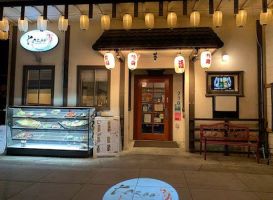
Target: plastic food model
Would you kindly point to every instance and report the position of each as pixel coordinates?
(70, 114)
(29, 123)
(74, 123)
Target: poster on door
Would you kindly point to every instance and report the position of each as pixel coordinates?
(177, 107)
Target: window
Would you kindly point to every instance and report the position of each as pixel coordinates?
(38, 85)
(93, 87)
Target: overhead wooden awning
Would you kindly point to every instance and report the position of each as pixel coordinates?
(143, 39)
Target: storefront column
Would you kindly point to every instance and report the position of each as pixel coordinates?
(191, 105)
(66, 66)
(126, 107)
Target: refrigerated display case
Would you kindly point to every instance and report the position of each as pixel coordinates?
(50, 131)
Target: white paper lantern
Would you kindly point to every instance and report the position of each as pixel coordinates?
(4, 24)
(127, 21)
(195, 18)
(105, 22)
(4, 35)
(217, 18)
(84, 22)
(41, 23)
(109, 61)
(62, 24)
(179, 64)
(150, 20)
(132, 60)
(22, 25)
(205, 59)
(241, 18)
(266, 17)
(172, 19)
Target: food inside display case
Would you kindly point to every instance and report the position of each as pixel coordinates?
(67, 130)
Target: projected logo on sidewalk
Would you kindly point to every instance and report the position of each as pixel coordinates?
(141, 189)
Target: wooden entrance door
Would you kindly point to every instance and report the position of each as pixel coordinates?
(153, 107)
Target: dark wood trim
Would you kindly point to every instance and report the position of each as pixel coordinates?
(1, 13)
(224, 119)
(66, 66)
(26, 68)
(114, 10)
(271, 107)
(211, 7)
(236, 6)
(121, 99)
(12, 66)
(191, 105)
(170, 108)
(160, 8)
(261, 65)
(130, 91)
(90, 11)
(93, 67)
(264, 6)
(135, 8)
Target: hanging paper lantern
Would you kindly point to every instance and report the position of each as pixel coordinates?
(172, 19)
(109, 61)
(127, 21)
(241, 18)
(266, 17)
(23, 25)
(62, 24)
(150, 20)
(205, 59)
(179, 64)
(4, 35)
(132, 60)
(84, 22)
(4, 24)
(41, 23)
(105, 22)
(217, 18)
(195, 18)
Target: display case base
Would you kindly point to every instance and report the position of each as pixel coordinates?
(49, 152)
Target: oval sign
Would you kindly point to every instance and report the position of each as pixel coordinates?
(39, 41)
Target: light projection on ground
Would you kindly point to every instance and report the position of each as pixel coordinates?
(141, 189)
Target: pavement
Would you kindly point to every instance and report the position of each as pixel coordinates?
(233, 177)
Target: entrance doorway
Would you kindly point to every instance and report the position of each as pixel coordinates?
(153, 107)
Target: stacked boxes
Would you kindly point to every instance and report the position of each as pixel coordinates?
(107, 136)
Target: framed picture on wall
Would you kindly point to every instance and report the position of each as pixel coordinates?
(225, 83)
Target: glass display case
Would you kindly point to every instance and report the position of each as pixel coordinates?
(51, 131)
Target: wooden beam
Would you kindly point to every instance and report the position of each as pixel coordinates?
(185, 7)
(218, 5)
(135, 8)
(77, 7)
(66, 65)
(59, 10)
(45, 12)
(1, 13)
(264, 6)
(236, 7)
(66, 11)
(211, 7)
(114, 10)
(243, 4)
(160, 8)
(12, 66)
(90, 11)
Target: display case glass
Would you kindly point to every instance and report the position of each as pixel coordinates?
(61, 131)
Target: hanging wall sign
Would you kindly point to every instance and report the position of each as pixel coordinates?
(39, 41)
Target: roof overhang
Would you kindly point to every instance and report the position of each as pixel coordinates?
(158, 39)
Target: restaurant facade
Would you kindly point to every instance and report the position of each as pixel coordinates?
(153, 101)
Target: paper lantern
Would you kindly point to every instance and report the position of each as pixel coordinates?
(132, 60)
(217, 18)
(205, 59)
(195, 19)
(105, 22)
(266, 17)
(41, 23)
(84, 22)
(179, 64)
(4, 35)
(22, 25)
(241, 18)
(127, 21)
(62, 24)
(172, 19)
(109, 61)
(150, 20)
(4, 24)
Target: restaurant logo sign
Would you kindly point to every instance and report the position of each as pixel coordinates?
(39, 41)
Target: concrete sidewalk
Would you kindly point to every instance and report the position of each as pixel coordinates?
(220, 177)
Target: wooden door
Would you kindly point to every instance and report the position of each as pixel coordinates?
(153, 108)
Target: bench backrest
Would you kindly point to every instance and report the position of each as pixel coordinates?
(228, 130)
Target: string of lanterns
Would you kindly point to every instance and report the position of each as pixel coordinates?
(179, 61)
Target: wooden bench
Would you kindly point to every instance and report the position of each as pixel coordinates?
(228, 134)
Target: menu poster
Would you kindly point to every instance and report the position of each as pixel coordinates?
(158, 107)
(177, 116)
(147, 118)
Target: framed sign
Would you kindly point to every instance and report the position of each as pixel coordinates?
(225, 83)
(39, 41)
